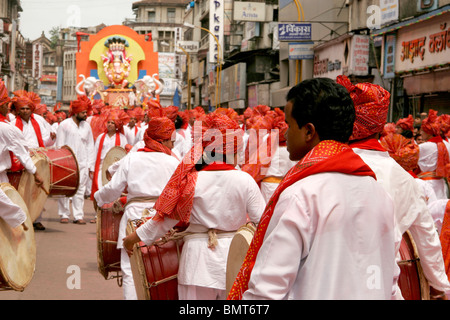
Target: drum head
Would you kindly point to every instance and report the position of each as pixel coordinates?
(237, 252)
(18, 247)
(113, 155)
(33, 196)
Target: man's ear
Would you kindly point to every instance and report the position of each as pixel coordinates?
(310, 132)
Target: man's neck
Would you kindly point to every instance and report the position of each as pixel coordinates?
(75, 119)
(111, 133)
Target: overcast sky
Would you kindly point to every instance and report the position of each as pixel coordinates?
(43, 15)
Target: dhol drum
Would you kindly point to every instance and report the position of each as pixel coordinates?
(412, 281)
(108, 256)
(18, 248)
(112, 156)
(23, 181)
(237, 252)
(155, 267)
(64, 171)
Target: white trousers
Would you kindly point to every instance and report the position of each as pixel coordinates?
(129, 290)
(77, 200)
(187, 292)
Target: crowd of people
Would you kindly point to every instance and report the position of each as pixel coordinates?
(331, 186)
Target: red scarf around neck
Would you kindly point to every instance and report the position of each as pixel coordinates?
(36, 127)
(99, 160)
(367, 144)
(327, 156)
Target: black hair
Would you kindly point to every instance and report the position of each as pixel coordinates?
(178, 122)
(327, 105)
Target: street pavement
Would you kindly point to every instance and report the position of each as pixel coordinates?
(66, 262)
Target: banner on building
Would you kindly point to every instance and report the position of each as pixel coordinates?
(38, 53)
(301, 50)
(216, 25)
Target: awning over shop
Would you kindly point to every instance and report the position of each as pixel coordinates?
(410, 22)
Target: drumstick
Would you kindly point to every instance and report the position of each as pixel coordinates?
(46, 192)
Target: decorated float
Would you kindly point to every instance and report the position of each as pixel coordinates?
(117, 64)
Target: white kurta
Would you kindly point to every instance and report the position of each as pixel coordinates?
(223, 200)
(108, 144)
(30, 135)
(81, 141)
(145, 174)
(130, 134)
(411, 213)
(331, 236)
(10, 212)
(279, 166)
(428, 156)
(11, 139)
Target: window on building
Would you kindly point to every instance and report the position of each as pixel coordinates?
(171, 15)
(151, 16)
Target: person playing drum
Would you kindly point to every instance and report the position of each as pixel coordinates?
(36, 130)
(13, 151)
(328, 229)
(76, 133)
(115, 120)
(144, 173)
(411, 211)
(208, 193)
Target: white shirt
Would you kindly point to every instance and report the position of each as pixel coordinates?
(145, 174)
(30, 135)
(79, 139)
(108, 144)
(223, 200)
(329, 236)
(428, 155)
(279, 166)
(10, 212)
(411, 213)
(131, 134)
(11, 139)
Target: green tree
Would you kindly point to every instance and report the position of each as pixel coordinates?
(54, 37)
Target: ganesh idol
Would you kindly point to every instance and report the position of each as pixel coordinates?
(116, 63)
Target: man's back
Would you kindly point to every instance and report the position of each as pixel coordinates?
(333, 237)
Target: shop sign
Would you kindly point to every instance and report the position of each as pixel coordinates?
(294, 31)
(426, 45)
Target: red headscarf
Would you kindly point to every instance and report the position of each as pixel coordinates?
(171, 112)
(23, 98)
(159, 130)
(371, 105)
(81, 104)
(432, 124)
(406, 123)
(177, 197)
(402, 150)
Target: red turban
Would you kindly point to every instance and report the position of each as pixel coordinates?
(81, 104)
(388, 128)
(4, 98)
(159, 130)
(23, 98)
(178, 195)
(406, 123)
(432, 124)
(41, 109)
(371, 105)
(402, 150)
(119, 117)
(171, 112)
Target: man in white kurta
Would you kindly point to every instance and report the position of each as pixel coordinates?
(145, 175)
(12, 140)
(223, 200)
(428, 157)
(412, 213)
(109, 142)
(76, 133)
